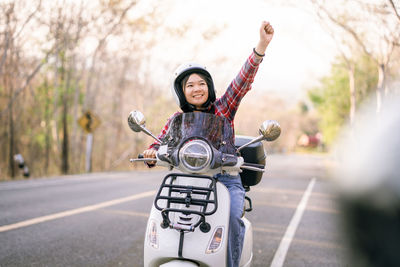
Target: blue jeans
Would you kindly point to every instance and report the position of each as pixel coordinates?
(236, 225)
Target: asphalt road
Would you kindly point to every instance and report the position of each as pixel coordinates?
(99, 219)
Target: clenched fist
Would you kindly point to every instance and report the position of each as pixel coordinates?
(266, 34)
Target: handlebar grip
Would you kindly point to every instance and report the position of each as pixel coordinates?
(140, 156)
(261, 166)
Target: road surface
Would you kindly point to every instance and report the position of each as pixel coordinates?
(99, 219)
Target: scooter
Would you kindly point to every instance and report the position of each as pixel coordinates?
(189, 220)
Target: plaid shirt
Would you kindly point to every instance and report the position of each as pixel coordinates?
(227, 105)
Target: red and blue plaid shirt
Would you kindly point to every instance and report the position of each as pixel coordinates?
(227, 105)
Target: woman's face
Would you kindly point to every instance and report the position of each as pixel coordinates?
(196, 90)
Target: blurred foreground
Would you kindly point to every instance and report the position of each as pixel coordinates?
(368, 184)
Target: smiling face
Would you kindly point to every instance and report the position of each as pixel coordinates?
(196, 90)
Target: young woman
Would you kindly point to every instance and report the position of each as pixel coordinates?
(193, 89)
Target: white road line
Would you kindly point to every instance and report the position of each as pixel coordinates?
(280, 254)
(67, 213)
(57, 181)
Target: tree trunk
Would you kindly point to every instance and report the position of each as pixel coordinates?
(380, 87)
(48, 130)
(75, 135)
(65, 84)
(352, 86)
(11, 141)
(65, 165)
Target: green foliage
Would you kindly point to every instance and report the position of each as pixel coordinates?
(366, 78)
(332, 97)
(40, 140)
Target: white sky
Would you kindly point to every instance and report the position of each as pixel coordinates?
(297, 57)
(299, 54)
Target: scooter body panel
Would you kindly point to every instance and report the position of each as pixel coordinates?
(195, 243)
(247, 251)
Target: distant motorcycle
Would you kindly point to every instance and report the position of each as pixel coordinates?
(189, 220)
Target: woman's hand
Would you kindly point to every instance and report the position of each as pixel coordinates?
(150, 153)
(266, 34)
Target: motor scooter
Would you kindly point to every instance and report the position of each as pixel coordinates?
(189, 220)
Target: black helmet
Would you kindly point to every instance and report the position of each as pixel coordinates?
(177, 91)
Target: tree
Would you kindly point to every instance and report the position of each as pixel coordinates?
(12, 62)
(61, 58)
(395, 8)
(332, 98)
(372, 26)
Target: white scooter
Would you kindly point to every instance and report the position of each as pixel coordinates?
(189, 220)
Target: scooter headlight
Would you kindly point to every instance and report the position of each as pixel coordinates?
(195, 156)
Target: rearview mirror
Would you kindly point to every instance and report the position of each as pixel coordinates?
(270, 130)
(137, 123)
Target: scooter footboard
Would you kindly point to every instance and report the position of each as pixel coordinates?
(185, 200)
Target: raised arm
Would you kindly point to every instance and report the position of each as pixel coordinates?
(228, 104)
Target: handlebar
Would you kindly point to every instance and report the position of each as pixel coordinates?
(142, 158)
(242, 165)
(246, 166)
(255, 165)
(252, 169)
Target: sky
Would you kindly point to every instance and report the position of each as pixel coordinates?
(298, 56)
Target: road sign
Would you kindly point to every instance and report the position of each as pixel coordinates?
(89, 122)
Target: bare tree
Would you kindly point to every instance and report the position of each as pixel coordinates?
(11, 64)
(346, 50)
(58, 59)
(370, 28)
(395, 7)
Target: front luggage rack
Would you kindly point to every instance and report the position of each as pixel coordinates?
(204, 198)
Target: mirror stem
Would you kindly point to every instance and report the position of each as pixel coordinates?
(258, 139)
(150, 134)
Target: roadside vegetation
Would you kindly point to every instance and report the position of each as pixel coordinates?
(62, 59)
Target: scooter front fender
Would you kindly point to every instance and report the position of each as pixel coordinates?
(179, 263)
